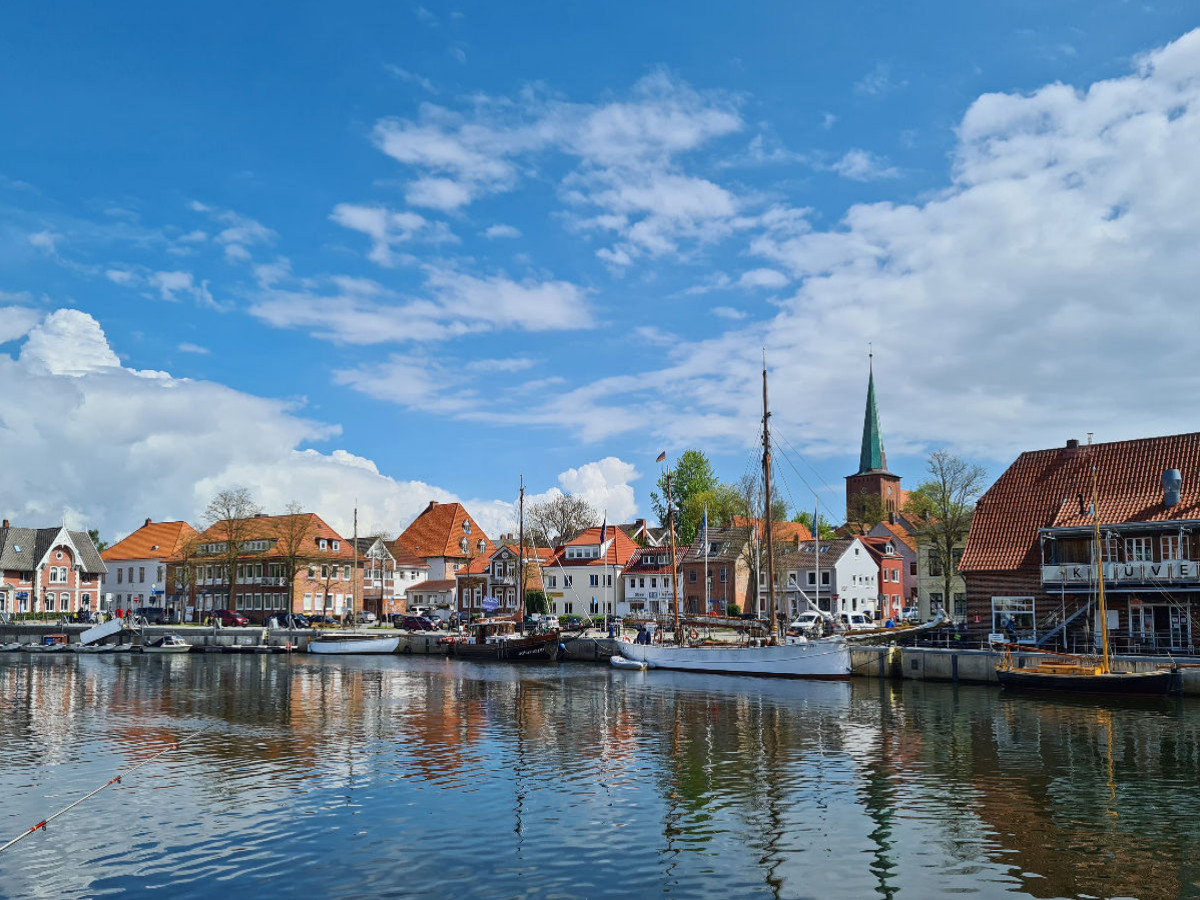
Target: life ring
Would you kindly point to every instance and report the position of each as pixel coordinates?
(693, 634)
(658, 636)
(626, 639)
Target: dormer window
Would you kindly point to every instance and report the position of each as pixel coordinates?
(322, 544)
(466, 527)
(463, 545)
(337, 545)
(481, 545)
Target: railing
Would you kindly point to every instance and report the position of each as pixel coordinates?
(1116, 573)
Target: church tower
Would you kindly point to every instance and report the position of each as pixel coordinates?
(872, 491)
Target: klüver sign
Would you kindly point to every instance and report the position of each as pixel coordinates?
(1177, 570)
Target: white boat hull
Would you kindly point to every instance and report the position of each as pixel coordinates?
(622, 662)
(824, 658)
(354, 645)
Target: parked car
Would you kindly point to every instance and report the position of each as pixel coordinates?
(322, 621)
(154, 615)
(84, 616)
(365, 617)
(412, 623)
(808, 623)
(911, 614)
(572, 622)
(855, 622)
(228, 618)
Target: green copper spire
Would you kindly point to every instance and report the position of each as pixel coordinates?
(871, 458)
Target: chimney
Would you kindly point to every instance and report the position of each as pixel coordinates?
(5, 523)
(147, 522)
(1172, 482)
(432, 504)
(1073, 444)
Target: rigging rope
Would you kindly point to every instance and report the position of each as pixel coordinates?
(116, 779)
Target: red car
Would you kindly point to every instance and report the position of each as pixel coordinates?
(229, 619)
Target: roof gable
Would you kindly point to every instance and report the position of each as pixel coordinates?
(1042, 489)
(154, 540)
(439, 531)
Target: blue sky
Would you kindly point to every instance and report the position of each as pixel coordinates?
(400, 252)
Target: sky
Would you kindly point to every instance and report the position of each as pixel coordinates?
(386, 253)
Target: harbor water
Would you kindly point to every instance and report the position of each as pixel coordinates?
(430, 777)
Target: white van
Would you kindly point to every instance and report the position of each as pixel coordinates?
(806, 622)
(855, 622)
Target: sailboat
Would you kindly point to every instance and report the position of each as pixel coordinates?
(498, 638)
(827, 657)
(1068, 673)
(353, 644)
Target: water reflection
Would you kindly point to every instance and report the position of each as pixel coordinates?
(396, 777)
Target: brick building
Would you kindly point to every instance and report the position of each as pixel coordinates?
(1030, 563)
(289, 563)
(872, 480)
(727, 567)
(48, 570)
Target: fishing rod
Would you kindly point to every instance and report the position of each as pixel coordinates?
(115, 780)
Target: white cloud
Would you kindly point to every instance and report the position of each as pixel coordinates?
(862, 165)
(187, 347)
(412, 78)
(122, 277)
(501, 231)
(878, 82)
(236, 235)
(16, 321)
(728, 312)
(453, 303)
(438, 193)
(168, 444)
(606, 485)
(388, 229)
(44, 240)
(171, 284)
(763, 278)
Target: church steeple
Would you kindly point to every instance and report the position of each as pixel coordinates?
(871, 458)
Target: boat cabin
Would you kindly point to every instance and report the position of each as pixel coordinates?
(493, 631)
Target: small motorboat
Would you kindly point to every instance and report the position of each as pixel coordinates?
(620, 662)
(168, 643)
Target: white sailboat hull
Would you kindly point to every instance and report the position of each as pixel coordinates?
(354, 645)
(824, 658)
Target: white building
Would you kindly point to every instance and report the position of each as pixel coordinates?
(648, 583)
(835, 576)
(137, 565)
(583, 576)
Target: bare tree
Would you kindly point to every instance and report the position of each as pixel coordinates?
(553, 521)
(295, 534)
(183, 572)
(865, 512)
(943, 508)
(230, 519)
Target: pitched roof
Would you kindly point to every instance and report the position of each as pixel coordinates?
(21, 549)
(651, 561)
(871, 457)
(724, 544)
(436, 584)
(900, 533)
(620, 548)
(790, 531)
(831, 551)
(276, 528)
(154, 540)
(405, 558)
(1041, 490)
(439, 531)
(877, 547)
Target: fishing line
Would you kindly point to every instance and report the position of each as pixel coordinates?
(115, 780)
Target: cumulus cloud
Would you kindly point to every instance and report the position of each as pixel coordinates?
(501, 231)
(388, 229)
(106, 445)
(16, 321)
(606, 484)
(862, 165)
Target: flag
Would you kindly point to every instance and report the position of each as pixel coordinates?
(704, 530)
(603, 529)
(661, 456)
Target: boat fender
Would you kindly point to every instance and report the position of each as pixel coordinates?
(693, 634)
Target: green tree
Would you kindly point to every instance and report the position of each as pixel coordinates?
(828, 529)
(536, 603)
(94, 534)
(865, 512)
(943, 507)
(692, 475)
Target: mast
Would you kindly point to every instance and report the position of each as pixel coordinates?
(674, 580)
(816, 530)
(354, 580)
(1105, 666)
(521, 557)
(767, 494)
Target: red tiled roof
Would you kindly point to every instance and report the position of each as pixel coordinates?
(444, 584)
(875, 546)
(405, 558)
(791, 531)
(900, 533)
(1040, 490)
(154, 540)
(620, 548)
(273, 527)
(438, 532)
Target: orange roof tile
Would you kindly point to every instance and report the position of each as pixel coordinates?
(901, 534)
(439, 530)
(620, 548)
(272, 528)
(1041, 490)
(792, 531)
(154, 540)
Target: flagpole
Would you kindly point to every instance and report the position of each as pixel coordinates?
(707, 590)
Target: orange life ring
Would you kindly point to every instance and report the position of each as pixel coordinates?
(693, 634)
(626, 639)
(658, 636)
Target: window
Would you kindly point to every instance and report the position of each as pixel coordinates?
(1138, 549)
(935, 562)
(322, 544)
(466, 527)
(119, 573)
(641, 582)
(825, 577)
(653, 582)
(552, 581)
(50, 600)
(85, 599)
(142, 574)
(129, 574)
(692, 576)
(567, 579)
(1172, 549)
(312, 572)
(160, 574)
(337, 545)
(593, 581)
(724, 576)
(346, 572)
(812, 578)
(324, 570)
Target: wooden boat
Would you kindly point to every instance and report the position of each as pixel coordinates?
(336, 644)
(498, 639)
(1066, 673)
(168, 643)
(827, 657)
